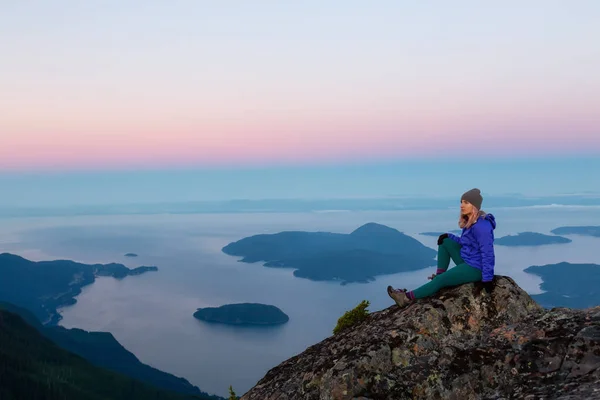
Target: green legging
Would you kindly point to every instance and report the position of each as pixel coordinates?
(462, 273)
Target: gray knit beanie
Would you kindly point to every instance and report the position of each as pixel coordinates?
(473, 196)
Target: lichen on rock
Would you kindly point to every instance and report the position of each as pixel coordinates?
(453, 345)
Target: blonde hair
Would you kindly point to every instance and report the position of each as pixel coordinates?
(465, 221)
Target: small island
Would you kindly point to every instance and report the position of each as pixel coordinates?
(436, 234)
(370, 250)
(243, 314)
(568, 285)
(131, 255)
(530, 239)
(578, 230)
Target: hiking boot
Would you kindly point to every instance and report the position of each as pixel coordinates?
(398, 295)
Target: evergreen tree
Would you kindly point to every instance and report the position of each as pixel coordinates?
(232, 395)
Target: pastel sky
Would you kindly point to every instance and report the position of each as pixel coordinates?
(187, 83)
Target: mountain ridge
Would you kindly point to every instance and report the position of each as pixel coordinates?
(454, 345)
(34, 291)
(33, 367)
(103, 350)
(44, 286)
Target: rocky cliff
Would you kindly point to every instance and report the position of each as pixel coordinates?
(455, 345)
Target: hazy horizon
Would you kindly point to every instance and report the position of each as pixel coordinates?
(428, 178)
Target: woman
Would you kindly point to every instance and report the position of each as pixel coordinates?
(472, 252)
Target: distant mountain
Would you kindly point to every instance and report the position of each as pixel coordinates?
(568, 285)
(281, 205)
(530, 239)
(44, 286)
(33, 367)
(578, 230)
(372, 249)
(243, 314)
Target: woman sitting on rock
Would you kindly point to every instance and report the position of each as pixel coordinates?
(472, 252)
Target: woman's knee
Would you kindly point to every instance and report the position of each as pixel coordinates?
(446, 243)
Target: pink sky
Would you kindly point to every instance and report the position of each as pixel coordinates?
(54, 139)
(106, 89)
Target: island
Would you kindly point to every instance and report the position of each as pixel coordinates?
(578, 230)
(249, 314)
(568, 285)
(120, 271)
(530, 239)
(436, 234)
(131, 255)
(44, 286)
(370, 250)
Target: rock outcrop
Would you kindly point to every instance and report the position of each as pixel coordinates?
(455, 345)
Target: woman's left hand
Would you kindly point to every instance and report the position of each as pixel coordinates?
(479, 286)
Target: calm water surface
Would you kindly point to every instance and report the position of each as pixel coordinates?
(151, 314)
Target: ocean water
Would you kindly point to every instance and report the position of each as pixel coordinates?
(152, 314)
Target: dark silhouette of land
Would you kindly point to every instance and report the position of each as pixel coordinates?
(34, 291)
(568, 285)
(530, 239)
(243, 314)
(370, 250)
(578, 230)
(44, 286)
(33, 366)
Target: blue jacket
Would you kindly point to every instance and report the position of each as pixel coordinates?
(477, 246)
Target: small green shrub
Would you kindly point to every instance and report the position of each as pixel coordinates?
(352, 317)
(232, 395)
